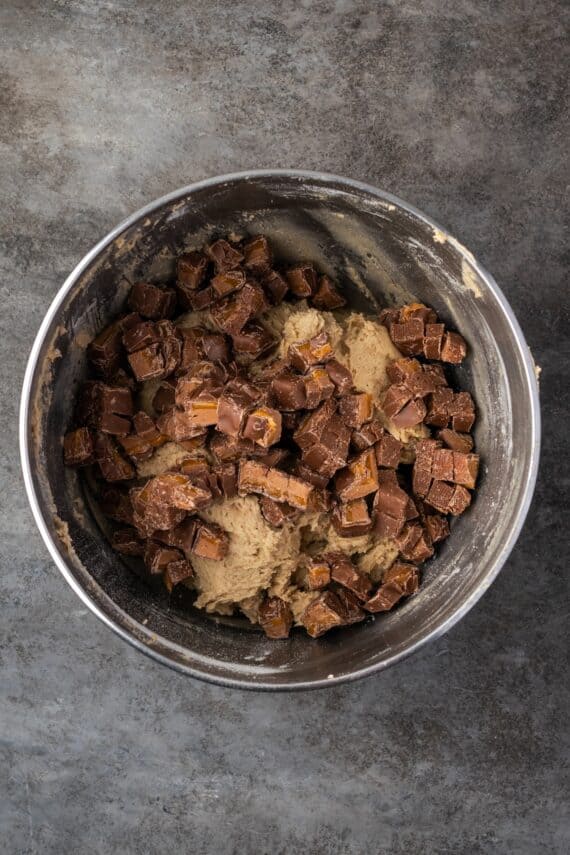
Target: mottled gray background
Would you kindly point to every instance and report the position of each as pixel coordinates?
(458, 107)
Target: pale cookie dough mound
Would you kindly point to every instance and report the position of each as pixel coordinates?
(256, 553)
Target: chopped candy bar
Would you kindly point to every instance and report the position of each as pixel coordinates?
(181, 535)
(190, 271)
(438, 407)
(462, 442)
(210, 541)
(386, 525)
(146, 429)
(175, 490)
(326, 296)
(360, 478)
(198, 470)
(275, 286)
(352, 612)
(112, 464)
(367, 435)
(203, 409)
(387, 317)
(436, 374)
(465, 469)
(152, 302)
(440, 496)
(442, 465)
(253, 340)
(437, 527)
(304, 354)
(289, 393)
(275, 617)
(308, 474)
(178, 425)
(147, 363)
(318, 574)
(400, 370)
(78, 447)
(164, 397)
(340, 375)
(396, 397)
(356, 409)
(318, 387)
(351, 519)
(460, 501)
(417, 310)
(228, 282)
(158, 557)
(277, 513)
(233, 407)
(412, 414)
(136, 447)
(224, 255)
(325, 612)
(139, 336)
(391, 499)
(454, 348)
(263, 426)
(408, 336)
(388, 451)
(462, 412)
(433, 341)
(117, 505)
(176, 572)
(257, 255)
(312, 428)
(302, 280)
(401, 580)
(254, 477)
(345, 573)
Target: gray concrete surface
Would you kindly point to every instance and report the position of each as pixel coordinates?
(457, 106)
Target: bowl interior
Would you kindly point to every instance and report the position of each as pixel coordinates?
(383, 253)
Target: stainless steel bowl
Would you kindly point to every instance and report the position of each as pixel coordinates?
(380, 248)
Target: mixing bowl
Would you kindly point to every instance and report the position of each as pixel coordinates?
(384, 252)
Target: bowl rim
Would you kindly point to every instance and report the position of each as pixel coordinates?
(246, 682)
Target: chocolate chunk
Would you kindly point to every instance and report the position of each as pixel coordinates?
(117, 505)
(386, 525)
(202, 377)
(433, 341)
(437, 527)
(436, 374)
(414, 544)
(422, 473)
(400, 580)
(360, 478)
(412, 414)
(440, 496)
(421, 384)
(318, 574)
(190, 271)
(202, 299)
(417, 310)
(136, 447)
(147, 430)
(275, 457)
(253, 340)
(176, 572)
(340, 375)
(158, 557)
(104, 407)
(307, 474)
(226, 448)
(228, 282)
(318, 387)
(395, 399)
(331, 451)
(320, 501)
(325, 612)
(226, 473)
(112, 464)
(151, 515)
(411, 510)
(179, 425)
(345, 573)
(104, 352)
(408, 336)
(460, 500)
(263, 426)
(139, 336)
(368, 435)
(233, 407)
(203, 409)
(304, 354)
(352, 612)
(275, 286)
(388, 451)
(356, 409)
(442, 465)
(254, 477)
(277, 513)
(231, 315)
(181, 535)
(288, 391)
(175, 490)
(147, 363)
(164, 397)
(351, 519)
(400, 370)
(224, 255)
(462, 442)
(391, 499)
(454, 348)
(302, 280)
(313, 426)
(438, 407)
(462, 411)
(387, 317)
(275, 618)
(327, 297)
(78, 449)
(193, 347)
(152, 302)
(465, 469)
(210, 541)
(198, 470)
(257, 255)
(127, 542)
